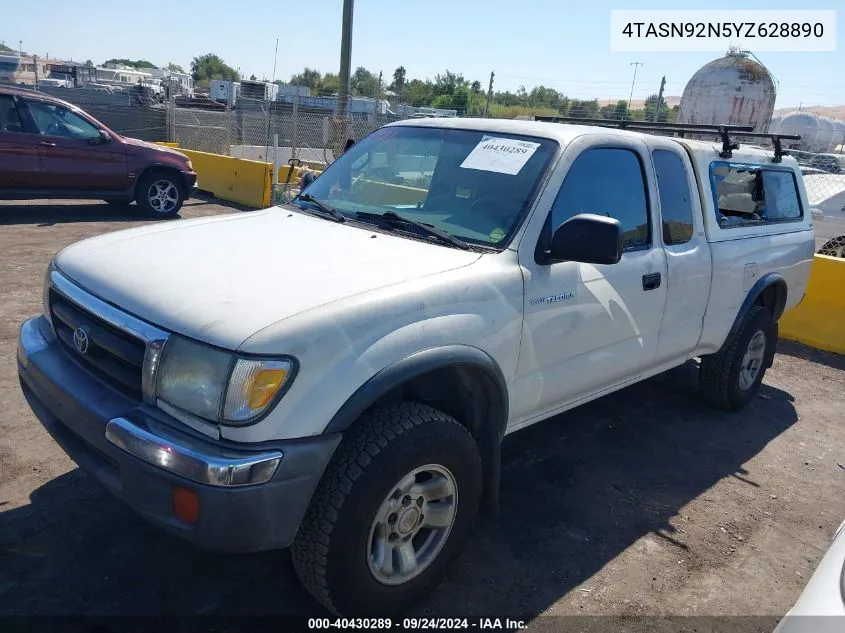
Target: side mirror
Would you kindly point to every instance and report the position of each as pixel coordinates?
(587, 238)
(102, 138)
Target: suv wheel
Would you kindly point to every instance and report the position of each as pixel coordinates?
(394, 505)
(730, 378)
(160, 194)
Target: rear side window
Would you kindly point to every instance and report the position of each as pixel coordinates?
(754, 195)
(675, 197)
(609, 182)
(10, 119)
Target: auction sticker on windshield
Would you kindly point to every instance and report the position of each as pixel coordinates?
(502, 155)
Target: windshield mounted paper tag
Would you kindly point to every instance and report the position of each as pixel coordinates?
(501, 155)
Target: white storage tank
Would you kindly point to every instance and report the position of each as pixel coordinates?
(803, 124)
(824, 137)
(838, 135)
(732, 90)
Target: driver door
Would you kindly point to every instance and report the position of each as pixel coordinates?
(73, 158)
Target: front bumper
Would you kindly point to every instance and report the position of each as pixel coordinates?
(190, 183)
(251, 498)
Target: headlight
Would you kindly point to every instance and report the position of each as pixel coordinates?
(216, 385)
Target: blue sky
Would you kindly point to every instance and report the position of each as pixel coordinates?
(558, 44)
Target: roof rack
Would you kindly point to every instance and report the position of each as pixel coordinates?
(724, 132)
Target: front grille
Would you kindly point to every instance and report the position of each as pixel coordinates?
(113, 356)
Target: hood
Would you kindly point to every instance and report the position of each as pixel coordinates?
(147, 145)
(222, 279)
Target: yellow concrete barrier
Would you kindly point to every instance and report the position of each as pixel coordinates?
(247, 182)
(819, 320)
(166, 144)
(387, 193)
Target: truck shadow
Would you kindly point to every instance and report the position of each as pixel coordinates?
(577, 491)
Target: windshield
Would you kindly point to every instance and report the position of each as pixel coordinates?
(473, 185)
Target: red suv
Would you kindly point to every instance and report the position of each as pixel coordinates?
(52, 149)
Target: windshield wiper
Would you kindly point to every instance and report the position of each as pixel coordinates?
(329, 210)
(394, 219)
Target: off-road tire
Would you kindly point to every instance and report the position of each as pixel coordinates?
(143, 188)
(331, 550)
(718, 378)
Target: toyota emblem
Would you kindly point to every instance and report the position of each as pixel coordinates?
(80, 340)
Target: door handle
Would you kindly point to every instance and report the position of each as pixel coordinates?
(47, 144)
(651, 282)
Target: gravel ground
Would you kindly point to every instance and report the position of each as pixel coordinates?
(644, 503)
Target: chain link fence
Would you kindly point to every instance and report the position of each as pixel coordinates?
(128, 112)
(252, 131)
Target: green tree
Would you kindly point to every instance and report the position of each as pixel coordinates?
(310, 78)
(442, 101)
(461, 100)
(615, 112)
(399, 81)
(419, 93)
(252, 77)
(88, 63)
(650, 106)
(330, 84)
(448, 82)
(588, 109)
(364, 82)
(137, 64)
(542, 97)
(175, 68)
(475, 87)
(5, 49)
(210, 66)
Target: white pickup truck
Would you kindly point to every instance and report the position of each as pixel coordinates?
(337, 375)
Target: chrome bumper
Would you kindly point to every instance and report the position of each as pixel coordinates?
(181, 457)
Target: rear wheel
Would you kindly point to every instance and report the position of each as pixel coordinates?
(160, 194)
(394, 505)
(731, 378)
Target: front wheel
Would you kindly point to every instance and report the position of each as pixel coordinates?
(394, 505)
(731, 378)
(160, 194)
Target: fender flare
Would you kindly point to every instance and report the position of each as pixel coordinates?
(762, 284)
(489, 436)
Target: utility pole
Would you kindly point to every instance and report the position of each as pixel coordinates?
(20, 46)
(489, 95)
(659, 98)
(636, 65)
(345, 58)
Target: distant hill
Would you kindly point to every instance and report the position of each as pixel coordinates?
(834, 112)
(6, 49)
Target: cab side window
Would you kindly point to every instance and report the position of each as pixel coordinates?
(10, 118)
(675, 198)
(609, 182)
(754, 195)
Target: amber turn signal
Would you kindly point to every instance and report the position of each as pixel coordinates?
(186, 505)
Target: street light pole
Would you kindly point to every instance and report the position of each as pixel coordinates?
(636, 65)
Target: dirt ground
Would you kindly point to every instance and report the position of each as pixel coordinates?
(644, 503)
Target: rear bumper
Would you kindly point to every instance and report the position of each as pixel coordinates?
(250, 498)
